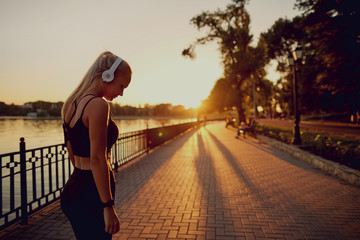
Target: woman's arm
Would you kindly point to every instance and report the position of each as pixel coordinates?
(97, 112)
(98, 115)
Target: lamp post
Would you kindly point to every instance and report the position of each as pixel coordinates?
(254, 94)
(292, 62)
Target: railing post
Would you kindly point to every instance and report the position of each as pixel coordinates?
(116, 156)
(147, 140)
(24, 215)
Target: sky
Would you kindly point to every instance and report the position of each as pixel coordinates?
(46, 46)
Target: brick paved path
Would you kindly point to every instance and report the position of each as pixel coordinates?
(207, 184)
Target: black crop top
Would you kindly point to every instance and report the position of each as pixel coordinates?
(78, 135)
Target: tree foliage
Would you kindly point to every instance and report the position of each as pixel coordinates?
(242, 62)
(328, 74)
(329, 33)
(333, 26)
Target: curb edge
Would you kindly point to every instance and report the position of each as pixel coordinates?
(345, 173)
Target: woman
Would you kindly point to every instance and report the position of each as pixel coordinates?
(88, 197)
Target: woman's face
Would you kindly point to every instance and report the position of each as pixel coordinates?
(117, 86)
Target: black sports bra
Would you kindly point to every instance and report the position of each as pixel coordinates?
(78, 135)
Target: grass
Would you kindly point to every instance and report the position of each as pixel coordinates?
(338, 148)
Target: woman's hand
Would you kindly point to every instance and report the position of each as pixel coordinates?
(112, 222)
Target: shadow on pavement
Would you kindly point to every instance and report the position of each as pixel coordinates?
(133, 176)
(293, 214)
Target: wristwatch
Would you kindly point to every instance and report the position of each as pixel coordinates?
(108, 203)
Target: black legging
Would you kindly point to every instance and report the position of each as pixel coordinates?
(81, 203)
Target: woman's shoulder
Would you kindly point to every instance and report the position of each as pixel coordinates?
(99, 101)
(98, 105)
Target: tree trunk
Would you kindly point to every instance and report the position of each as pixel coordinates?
(241, 113)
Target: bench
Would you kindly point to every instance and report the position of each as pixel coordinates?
(250, 128)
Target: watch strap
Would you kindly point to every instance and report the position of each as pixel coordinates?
(108, 203)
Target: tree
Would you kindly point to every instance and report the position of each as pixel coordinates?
(334, 28)
(163, 109)
(265, 95)
(283, 37)
(328, 32)
(220, 98)
(41, 105)
(178, 110)
(12, 110)
(230, 29)
(4, 109)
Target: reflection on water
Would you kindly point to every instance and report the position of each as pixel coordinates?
(44, 132)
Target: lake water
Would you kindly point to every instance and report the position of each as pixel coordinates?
(44, 132)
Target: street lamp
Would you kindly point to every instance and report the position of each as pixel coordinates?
(297, 53)
(254, 94)
(292, 61)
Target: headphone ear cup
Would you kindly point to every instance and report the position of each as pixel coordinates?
(107, 76)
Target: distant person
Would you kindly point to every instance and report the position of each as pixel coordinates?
(89, 130)
(242, 129)
(227, 121)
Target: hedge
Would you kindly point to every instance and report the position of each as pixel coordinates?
(342, 149)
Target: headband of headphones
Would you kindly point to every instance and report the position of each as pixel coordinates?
(108, 75)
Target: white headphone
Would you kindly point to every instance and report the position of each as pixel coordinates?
(108, 75)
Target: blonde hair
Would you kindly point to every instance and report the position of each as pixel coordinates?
(101, 64)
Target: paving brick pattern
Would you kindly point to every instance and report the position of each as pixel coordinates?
(207, 184)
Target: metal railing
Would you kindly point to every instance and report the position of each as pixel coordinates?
(30, 180)
(34, 178)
